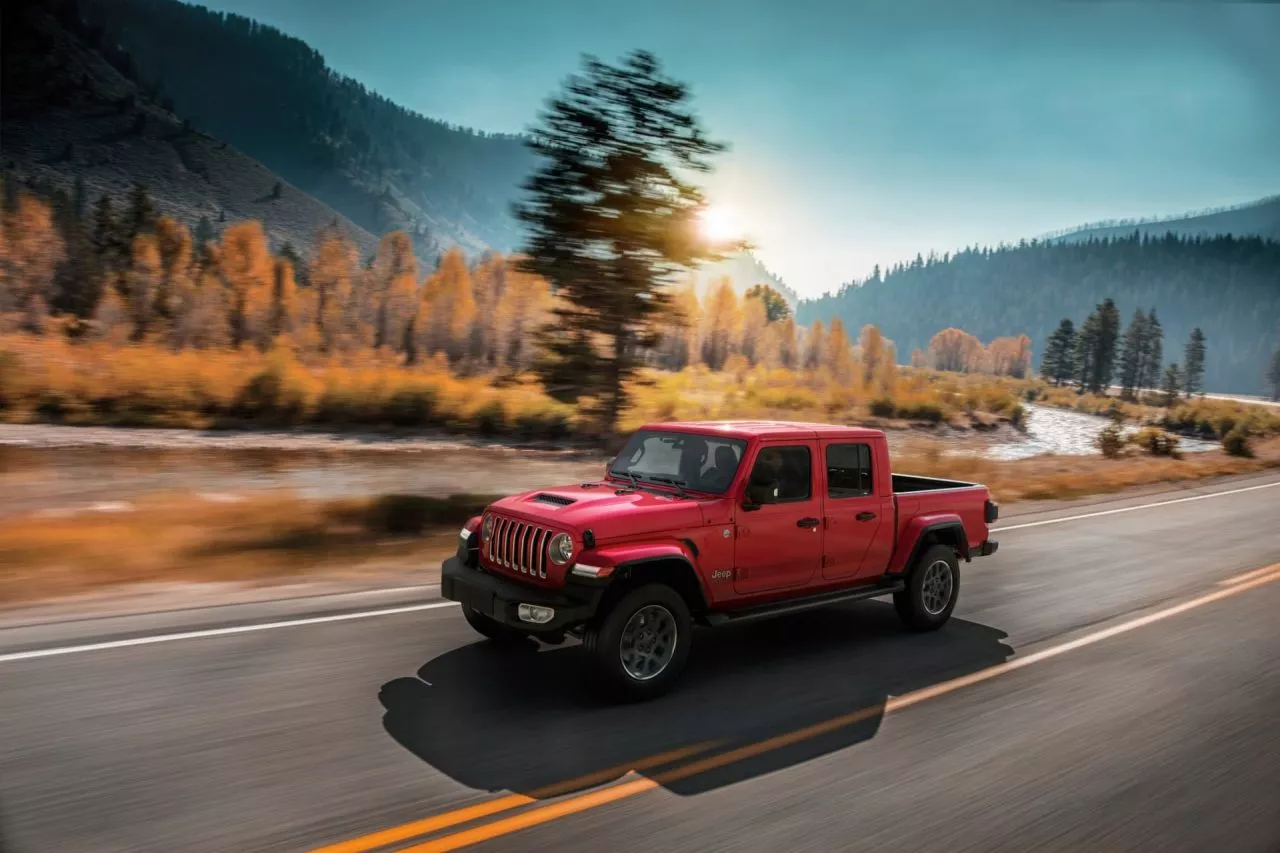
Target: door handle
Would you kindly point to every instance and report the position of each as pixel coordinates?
(808, 522)
(865, 516)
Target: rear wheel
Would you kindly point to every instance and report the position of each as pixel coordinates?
(639, 647)
(932, 588)
(493, 629)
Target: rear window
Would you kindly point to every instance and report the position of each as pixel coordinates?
(849, 470)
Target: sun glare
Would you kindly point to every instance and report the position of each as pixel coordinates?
(719, 224)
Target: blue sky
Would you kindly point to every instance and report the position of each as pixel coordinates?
(863, 133)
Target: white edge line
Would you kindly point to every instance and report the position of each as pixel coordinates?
(416, 608)
(219, 632)
(1133, 508)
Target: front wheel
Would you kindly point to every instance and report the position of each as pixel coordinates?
(639, 647)
(489, 627)
(932, 588)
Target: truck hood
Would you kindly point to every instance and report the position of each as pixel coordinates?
(600, 509)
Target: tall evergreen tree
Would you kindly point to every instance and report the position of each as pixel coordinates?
(1105, 347)
(1152, 352)
(1086, 353)
(610, 220)
(775, 305)
(1171, 384)
(141, 217)
(1057, 364)
(1133, 357)
(1273, 375)
(1193, 363)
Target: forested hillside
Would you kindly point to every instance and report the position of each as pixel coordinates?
(1254, 219)
(1229, 287)
(274, 97)
(73, 123)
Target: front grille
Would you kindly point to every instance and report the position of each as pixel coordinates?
(519, 546)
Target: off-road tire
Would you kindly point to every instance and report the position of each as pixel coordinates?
(917, 605)
(604, 637)
(494, 630)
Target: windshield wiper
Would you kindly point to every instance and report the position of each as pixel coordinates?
(673, 481)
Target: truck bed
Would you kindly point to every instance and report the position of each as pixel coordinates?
(907, 483)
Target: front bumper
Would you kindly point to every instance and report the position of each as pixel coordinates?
(498, 598)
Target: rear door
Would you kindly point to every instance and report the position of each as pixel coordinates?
(780, 537)
(858, 521)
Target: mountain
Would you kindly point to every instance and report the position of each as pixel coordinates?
(273, 96)
(1259, 218)
(1228, 286)
(70, 113)
(745, 270)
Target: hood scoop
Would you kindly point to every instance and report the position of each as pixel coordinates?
(554, 500)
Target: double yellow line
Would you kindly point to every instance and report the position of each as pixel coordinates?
(631, 787)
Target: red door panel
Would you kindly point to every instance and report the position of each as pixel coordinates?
(780, 538)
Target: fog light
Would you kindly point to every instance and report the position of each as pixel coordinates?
(535, 613)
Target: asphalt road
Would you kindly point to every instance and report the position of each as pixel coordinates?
(1110, 681)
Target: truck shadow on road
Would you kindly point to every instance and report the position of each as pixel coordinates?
(525, 721)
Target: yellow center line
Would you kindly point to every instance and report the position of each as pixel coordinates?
(574, 805)
(511, 801)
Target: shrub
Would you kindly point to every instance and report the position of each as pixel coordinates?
(920, 411)
(882, 407)
(1018, 416)
(490, 418)
(413, 514)
(411, 407)
(1236, 443)
(1157, 442)
(1110, 441)
(10, 371)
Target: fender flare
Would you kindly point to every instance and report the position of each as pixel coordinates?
(912, 541)
(631, 556)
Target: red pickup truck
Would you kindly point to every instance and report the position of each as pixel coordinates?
(711, 524)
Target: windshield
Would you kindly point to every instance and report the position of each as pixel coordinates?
(705, 463)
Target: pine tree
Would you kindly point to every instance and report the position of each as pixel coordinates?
(1171, 384)
(1057, 363)
(141, 217)
(1086, 353)
(1105, 348)
(1273, 375)
(1153, 352)
(1193, 363)
(776, 307)
(614, 144)
(1133, 357)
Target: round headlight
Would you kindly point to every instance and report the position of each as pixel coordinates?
(561, 549)
(486, 527)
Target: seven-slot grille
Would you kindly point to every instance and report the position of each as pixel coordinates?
(519, 546)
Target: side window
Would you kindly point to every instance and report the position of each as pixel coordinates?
(780, 475)
(849, 470)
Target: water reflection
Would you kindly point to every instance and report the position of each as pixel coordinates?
(1068, 433)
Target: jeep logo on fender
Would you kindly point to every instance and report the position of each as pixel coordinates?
(721, 575)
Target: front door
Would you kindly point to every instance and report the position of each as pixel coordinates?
(780, 524)
(858, 522)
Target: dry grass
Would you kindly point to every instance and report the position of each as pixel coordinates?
(1206, 417)
(175, 538)
(98, 383)
(1060, 477)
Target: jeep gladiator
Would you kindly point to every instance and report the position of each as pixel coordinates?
(712, 524)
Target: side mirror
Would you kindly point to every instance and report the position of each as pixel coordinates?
(749, 505)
